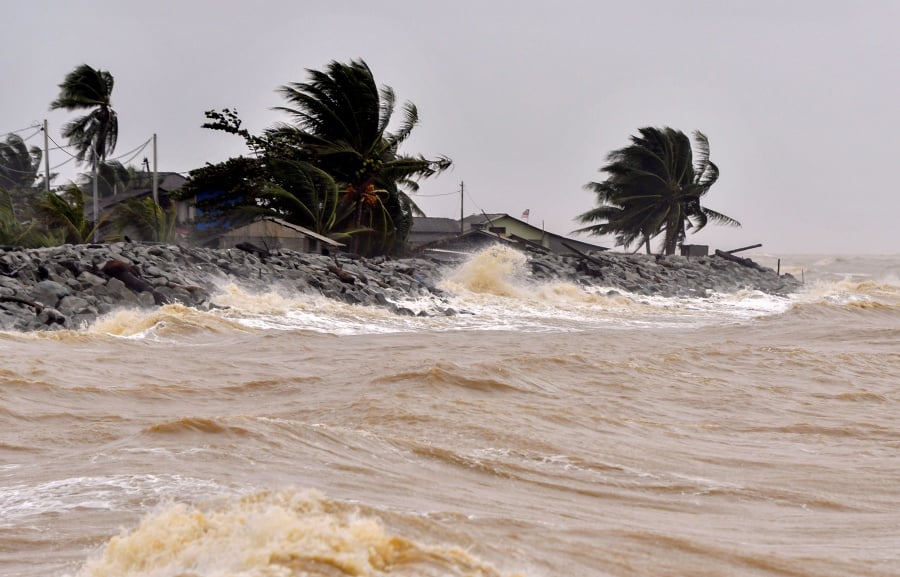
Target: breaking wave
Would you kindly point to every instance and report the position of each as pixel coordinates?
(279, 533)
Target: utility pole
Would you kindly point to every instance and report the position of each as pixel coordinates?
(462, 213)
(46, 158)
(155, 174)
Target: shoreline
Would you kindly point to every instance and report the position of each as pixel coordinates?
(68, 286)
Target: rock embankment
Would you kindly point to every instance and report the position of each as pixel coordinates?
(70, 286)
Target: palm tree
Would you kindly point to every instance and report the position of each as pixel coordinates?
(64, 212)
(19, 169)
(341, 126)
(16, 232)
(303, 194)
(147, 219)
(96, 132)
(655, 186)
(112, 177)
(19, 165)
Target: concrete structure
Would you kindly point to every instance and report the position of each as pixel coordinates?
(694, 250)
(273, 233)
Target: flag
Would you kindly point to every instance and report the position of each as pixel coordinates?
(526, 213)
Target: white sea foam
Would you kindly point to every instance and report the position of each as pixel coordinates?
(20, 502)
(492, 291)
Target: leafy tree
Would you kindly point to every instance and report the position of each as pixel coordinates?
(341, 125)
(221, 190)
(654, 186)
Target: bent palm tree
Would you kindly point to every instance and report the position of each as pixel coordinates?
(15, 232)
(146, 219)
(655, 186)
(64, 213)
(342, 121)
(19, 169)
(97, 131)
(19, 165)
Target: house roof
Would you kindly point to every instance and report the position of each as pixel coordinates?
(143, 186)
(297, 228)
(450, 227)
(422, 224)
(484, 218)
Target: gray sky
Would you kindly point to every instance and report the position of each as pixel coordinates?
(799, 99)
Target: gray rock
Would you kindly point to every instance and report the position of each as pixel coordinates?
(48, 292)
(73, 285)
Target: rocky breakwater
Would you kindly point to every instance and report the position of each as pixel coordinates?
(70, 286)
(664, 276)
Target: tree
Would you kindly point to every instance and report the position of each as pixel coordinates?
(112, 178)
(19, 170)
(341, 125)
(146, 219)
(654, 186)
(19, 164)
(64, 212)
(97, 131)
(93, 135)
(15, 232)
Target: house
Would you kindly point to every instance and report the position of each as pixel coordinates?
(479, 229)
(427, 230)
(272, 233)
(141, 187)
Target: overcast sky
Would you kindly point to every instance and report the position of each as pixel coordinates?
(800, 100)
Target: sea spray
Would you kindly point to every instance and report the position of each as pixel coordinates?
(271, 533)
(497, 270)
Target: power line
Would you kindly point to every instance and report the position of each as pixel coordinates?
(60, 147)
(11, 169)
(135, 150)
(469, 196)
(454, 193)
(67, 161)
(38, 126)
(32, 135)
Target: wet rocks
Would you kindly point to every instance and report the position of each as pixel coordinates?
(71, 285)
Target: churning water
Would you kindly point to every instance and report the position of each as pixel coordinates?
(544, 430)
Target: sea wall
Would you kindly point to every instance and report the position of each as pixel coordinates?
(70, 286)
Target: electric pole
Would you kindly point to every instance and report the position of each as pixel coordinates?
(462, 213)
(155, 175)
(46, 158)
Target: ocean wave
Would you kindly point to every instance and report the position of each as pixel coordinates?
(491, 291)
(285, 532)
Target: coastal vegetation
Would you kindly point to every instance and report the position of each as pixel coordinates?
(654, 187)
(334, 167)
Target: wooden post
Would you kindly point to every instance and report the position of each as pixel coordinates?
(778, 270)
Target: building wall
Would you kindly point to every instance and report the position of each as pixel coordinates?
(518, 228)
